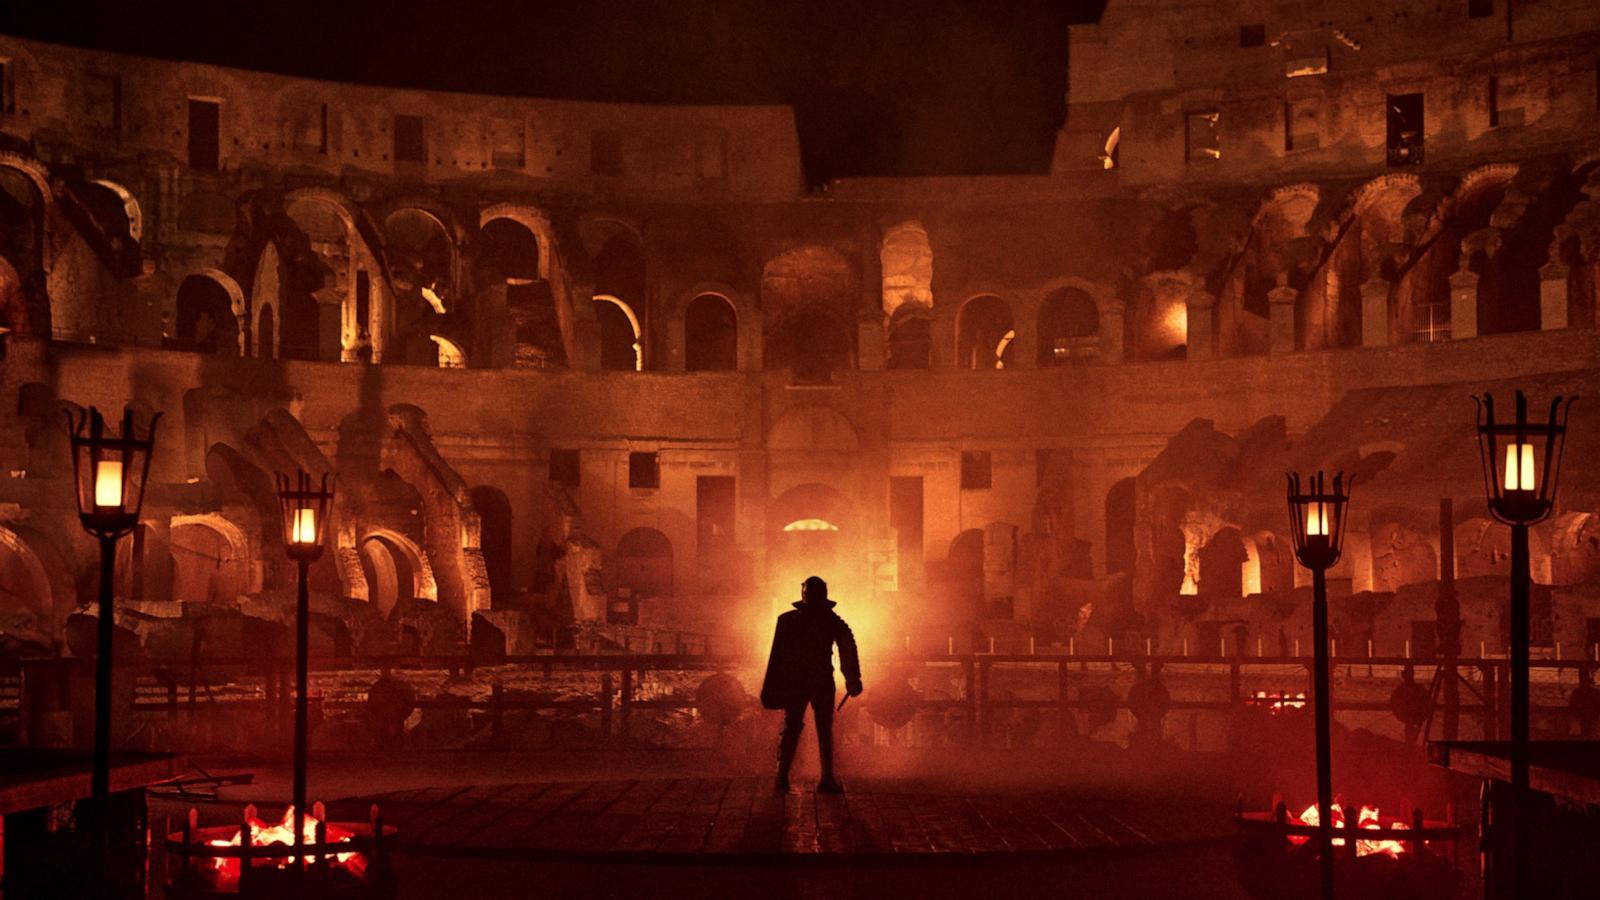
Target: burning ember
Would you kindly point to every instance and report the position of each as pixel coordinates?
(226, 869)
(1278, 701)
(1367, 818)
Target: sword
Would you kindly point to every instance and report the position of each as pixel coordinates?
(842, 703)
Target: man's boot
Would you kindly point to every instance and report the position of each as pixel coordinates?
(788, 743)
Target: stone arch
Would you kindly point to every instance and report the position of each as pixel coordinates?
(132, 217)
(518, 253)
(1157, 327)
(450, 354)
(211, 559)
(618, 267)
(1120, 518)
(910, 337)
(537, 224)
(1274, 254)
(1574, 541)
(1069, 326)
(28, 593)
(209, 314)
(396, 569)
(644, 563)
(422, 262)
(710, 334)
(906, 258)
(985, 332)
(1483, 547)
(812, 529)
(366, 306)
(621, 340)
(1269, 563)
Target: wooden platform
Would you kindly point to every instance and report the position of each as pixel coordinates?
(694, 817)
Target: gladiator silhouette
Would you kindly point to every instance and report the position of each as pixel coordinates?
(800, 674)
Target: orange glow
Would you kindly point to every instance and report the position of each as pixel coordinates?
(810, 525)
(305, 526)
(1367, 818)
(1317, 520)
(108, 483)
(1520, 477)
(226, 870)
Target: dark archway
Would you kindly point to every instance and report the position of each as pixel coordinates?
(205, 322)
(511, 250)
(964, 572)
(620, 348)
(1222, 562)
(390, 568)
(910, 339)
(1069, 327)
(812, 344)
(644, 563)
(984, 332)
(1120, 518)
(710, 335)
(495, 537)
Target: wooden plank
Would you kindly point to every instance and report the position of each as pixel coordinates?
(481, 828)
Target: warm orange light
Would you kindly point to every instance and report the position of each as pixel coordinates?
(108, 483)
(305, 526)
(1317, 520)
(1520, 477)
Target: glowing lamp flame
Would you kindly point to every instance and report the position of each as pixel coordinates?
(1317, 520)
(305, 526)
(108, 483)
(810, 525)
(1519, 477)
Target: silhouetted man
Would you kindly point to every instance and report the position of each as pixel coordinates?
(800, 674)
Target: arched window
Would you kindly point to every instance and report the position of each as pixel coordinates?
(495, 514)
(910, 339)
(620, 349)
(511, 251)
(1069, 327)
(710, 335)
(266, 333)
(205, 321)
(644, 563)
(984, 332)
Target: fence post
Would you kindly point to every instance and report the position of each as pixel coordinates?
(970, 671)
(625, 705)
(605, 703)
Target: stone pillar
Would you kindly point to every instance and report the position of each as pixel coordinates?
(1553, 296)
(1375, 312)
(1111, 329)
(1202, 331)
(1280, 334)
(869, 342)
(1464, 304)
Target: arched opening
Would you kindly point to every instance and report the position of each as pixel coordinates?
(964, 572)
(812, 344)
(910, 338)
(1120, 518)
(1069, 327)
(1575, 548)
(512, 251)
(984, 332)
(907, 262)
(208, 562)
(266, 333)
(710, 335)
(1268, 565)
(620, 348)
(327, 260)
(1222, 562)
(390, 564)
(450, 354)
(117, 213)
(810, 532)
(620, 276)
(494, 517)
(205, 322)
(644, 564)
(26, 600)
(420, 256)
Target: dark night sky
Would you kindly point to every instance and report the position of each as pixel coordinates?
(892, 87)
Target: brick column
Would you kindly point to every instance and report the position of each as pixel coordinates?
(1375, 312)
(1280, 329)
(1464, 304)
(1553, 296)
(1202, 330)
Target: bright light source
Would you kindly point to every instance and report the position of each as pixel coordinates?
(810, 525)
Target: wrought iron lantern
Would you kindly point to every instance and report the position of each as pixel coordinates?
(111, 471)
(305, 514)
(1521, 459)
(1317, 518)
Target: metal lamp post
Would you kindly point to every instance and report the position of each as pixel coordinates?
(1521, 491)
(305, 521)
(110, 472)
(1317, 519)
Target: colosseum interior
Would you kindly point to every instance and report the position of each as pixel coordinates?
(613, 378)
